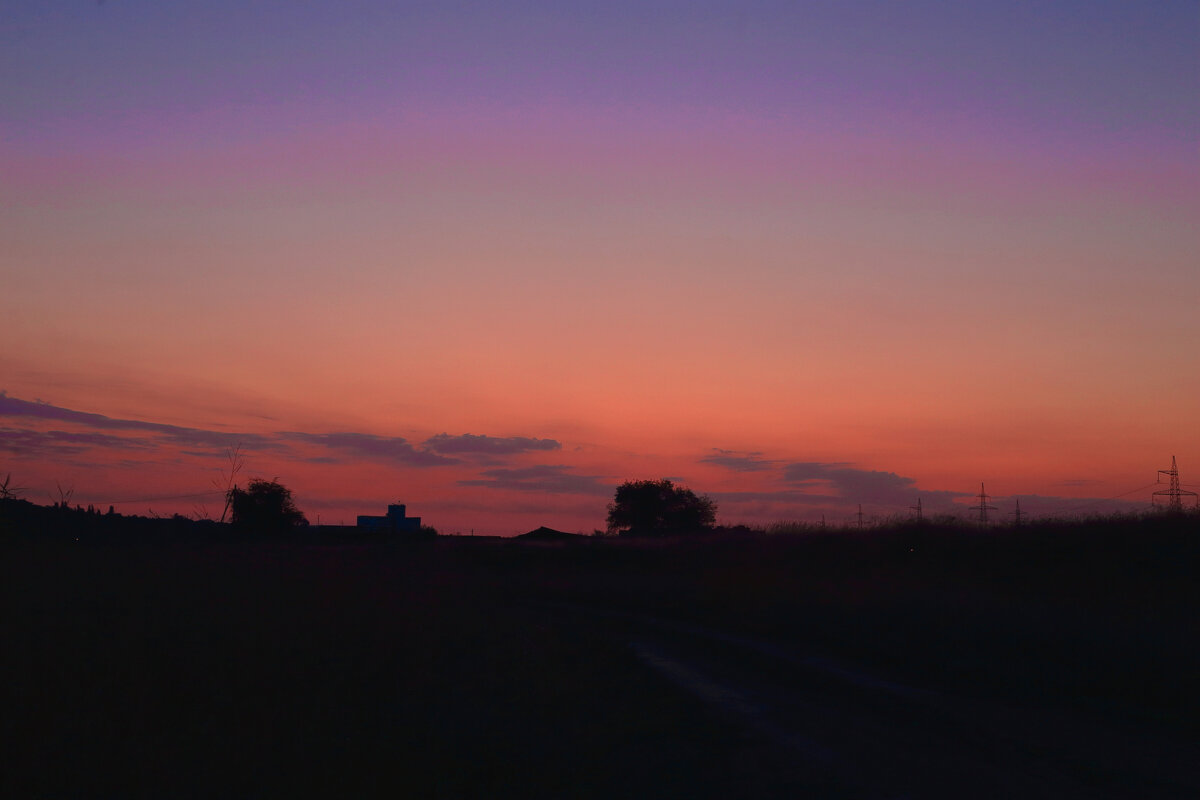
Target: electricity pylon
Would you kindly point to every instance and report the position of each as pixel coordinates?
(983, 506)
(1017, 515)
(860, 517)
(917, 508)
(1174, 493)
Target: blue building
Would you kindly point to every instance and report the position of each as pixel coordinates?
(394, 522)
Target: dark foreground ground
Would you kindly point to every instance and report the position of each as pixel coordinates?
(1052, 663)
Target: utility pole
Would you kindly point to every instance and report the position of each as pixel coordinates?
(1174, 492)
(917, 508)
(983, 506)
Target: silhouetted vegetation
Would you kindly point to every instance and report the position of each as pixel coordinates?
(228, 480)
(9, 490)
(265, 667)
(650, 508)
(264, 507)
(219, 664)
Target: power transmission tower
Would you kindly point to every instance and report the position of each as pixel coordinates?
(917, 508)
(860, 517)
(1174, 493)
(983, 506)
(1017, 515)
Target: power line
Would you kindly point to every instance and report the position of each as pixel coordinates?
(1173, 492)
(1114, 497)
(983, 506)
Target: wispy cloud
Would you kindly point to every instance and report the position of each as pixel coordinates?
(833, 487)
(839, 488)
(778, 496)
(866, 486)
(391, 449)
(552, 479)
(738, 461)
(193, 437)
(338, 447)
(25, 442)
(776, 489)
(470, 443)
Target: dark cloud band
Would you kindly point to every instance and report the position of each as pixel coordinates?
(470, 443)
(552, 479)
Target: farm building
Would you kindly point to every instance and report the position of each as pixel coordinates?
(394, 522)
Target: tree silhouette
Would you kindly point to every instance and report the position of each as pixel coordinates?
(9, 490)
(236, 462)
(264, 507)
(657, 507)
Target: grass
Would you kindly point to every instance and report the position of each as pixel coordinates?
(176, 666)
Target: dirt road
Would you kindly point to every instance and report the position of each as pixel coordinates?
(846, 731)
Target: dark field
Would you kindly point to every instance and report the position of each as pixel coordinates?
(1051, 662)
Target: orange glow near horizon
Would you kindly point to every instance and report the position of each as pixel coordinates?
(711, 260)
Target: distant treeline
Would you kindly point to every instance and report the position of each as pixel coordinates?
(61, 521)
(23, 520)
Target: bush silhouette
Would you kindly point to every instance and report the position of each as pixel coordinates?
(264, 507)
(658, 507)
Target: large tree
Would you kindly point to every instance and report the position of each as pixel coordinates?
(264, 507)
(658, 507)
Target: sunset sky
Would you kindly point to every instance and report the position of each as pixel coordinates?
(491, 263)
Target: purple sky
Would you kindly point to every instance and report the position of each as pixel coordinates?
(491, 259)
